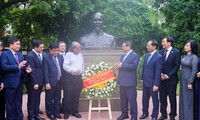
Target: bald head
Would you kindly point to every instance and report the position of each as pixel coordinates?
(75, 47)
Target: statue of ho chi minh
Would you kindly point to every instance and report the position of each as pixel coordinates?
(97, 39)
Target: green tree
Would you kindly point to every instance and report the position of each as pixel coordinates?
(70, 19)
(130, 20)
(182, 19)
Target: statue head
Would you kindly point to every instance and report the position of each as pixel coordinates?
(97, 22)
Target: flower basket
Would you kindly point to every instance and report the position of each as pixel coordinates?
(99, 81)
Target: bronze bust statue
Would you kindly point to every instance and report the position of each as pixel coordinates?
(97, 39)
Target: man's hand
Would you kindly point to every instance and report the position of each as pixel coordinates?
(117, 64)
(155, 88)
(48, 86)
(189, 87)
(164, 76)
(28, 69)
(78, 72)
(1, 86)
(22, 64)
(198, 74)
(36, 87)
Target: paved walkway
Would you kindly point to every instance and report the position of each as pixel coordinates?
(95, 115)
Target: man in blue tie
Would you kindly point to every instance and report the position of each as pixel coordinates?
(127, 80)
(53, 67)
(13, 66)
(151, 79)
(35, 79)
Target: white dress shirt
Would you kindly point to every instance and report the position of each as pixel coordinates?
(73, 62)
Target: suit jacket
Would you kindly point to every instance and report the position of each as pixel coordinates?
(127, 75)
(36, 76)
(12, 74)
(50, 69)
(151, 74)
(171, 65)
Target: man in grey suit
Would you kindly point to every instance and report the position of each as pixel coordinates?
(127, 80)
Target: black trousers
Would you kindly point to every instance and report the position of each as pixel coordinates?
(14, 102)
(147, 92)
(72, 89)
(33, 100)
(170, 91)
(2, 105)
(52, 99)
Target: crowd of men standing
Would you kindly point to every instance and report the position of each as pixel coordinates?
(159, 80)
(57, 68)
(38, 70)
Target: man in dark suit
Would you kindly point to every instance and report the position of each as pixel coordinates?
(35, 79)
(169, 77)
(53, 67)
(2, 91)
(62, 51)
(151, 79)
(13, 66)
(127, 80)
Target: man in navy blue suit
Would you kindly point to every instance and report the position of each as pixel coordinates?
(2, 91)
(151, 79)
(35, 79)
(169, 77)
(53, 67)
(127, 80)
(13, 66)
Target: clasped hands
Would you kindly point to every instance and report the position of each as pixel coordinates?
(117, 65)
(22, 64)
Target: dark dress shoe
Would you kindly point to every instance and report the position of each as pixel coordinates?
(39, 118)
(154, 118)
(133, 118)
(77, 115)
(31, 119)
(52, 117)
(40, 112)
(143, 116)
(66, 116)
(162, 117)
(58, 116)
(122, 117)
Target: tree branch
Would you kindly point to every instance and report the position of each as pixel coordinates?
(9, 3)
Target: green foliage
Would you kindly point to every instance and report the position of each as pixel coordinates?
(139, 73)
(131, 20)
(182, 20)
(70, 19)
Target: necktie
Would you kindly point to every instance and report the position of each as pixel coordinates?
(165, 54)
(40, 58)
(124, 57)
(16, 58)
(58, 68)
(149, 57)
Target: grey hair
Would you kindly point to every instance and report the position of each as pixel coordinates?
(73, 45)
